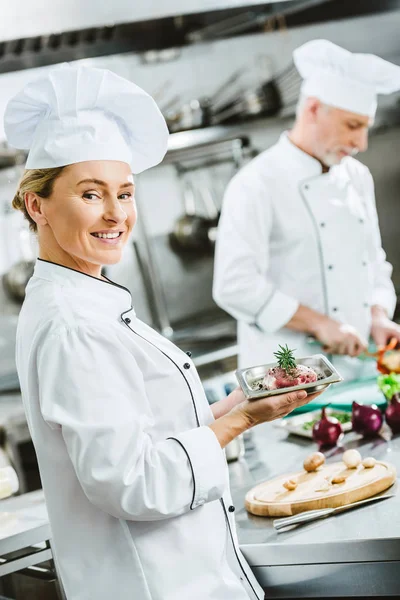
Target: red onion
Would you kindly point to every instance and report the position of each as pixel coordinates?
(327, 431)
(366, 420)
(392, 414)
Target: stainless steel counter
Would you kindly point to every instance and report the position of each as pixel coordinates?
(356, 553)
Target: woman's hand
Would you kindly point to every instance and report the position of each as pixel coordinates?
(245, 414)
(259, 411)
(222, 407)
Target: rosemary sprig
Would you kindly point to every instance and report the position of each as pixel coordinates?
(285, 358)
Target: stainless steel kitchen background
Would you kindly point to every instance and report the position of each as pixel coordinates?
(172, 289)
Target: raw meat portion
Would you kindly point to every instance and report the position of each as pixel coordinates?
(277, 377)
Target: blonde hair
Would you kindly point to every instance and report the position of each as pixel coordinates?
(38, 181)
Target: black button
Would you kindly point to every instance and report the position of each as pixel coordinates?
(366, 305)
(186, 366)
(334, 309)
(330, 267)
(364, 263)
(306, 187)
(231, 509)
(361, 221)
(189, 353)
(127, 320)
(322, 224)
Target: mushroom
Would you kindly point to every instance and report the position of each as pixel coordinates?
(352, 458)
(369, 462)
(290, 485)
(338, 479)
(313, 461)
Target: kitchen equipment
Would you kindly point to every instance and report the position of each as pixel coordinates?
(250, 379)
(191, 230)
(9, 157)
(272, 499)
(313, 515)
(9, 483)
(235, 449)
(207, 194)
(263, 100)
(16, 279)
(301, 424)
(196, 113)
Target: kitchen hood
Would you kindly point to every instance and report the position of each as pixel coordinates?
(46, 32)
(24, 18)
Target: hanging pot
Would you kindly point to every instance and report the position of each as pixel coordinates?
(191, 230)
(16, 279)
(197, 112)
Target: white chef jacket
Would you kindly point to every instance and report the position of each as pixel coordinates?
(135, 482)
(290, 234)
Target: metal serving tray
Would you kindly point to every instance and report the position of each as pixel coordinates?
(249, 379)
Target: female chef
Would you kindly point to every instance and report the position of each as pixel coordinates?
(130, 452)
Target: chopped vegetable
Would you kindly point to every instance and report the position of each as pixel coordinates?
(389, 384)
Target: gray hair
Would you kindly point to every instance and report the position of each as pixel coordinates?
(301, 103)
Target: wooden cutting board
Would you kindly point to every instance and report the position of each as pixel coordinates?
(271, 499)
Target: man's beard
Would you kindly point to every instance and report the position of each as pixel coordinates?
(330, 159)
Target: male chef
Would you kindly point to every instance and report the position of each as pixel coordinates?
(299, 259)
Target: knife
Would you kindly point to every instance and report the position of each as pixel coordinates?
(312, 515)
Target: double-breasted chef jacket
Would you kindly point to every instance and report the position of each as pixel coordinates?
(135, 482)
(290, 234)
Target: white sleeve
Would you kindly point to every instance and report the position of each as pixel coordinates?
(241, 283)
(383, 293)
(92, 388)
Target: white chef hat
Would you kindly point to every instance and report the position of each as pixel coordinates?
(343, 79)
(75, 114)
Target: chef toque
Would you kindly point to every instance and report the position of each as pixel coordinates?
(74, 114)
(344, 79)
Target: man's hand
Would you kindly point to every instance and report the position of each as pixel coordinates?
(336, 338)
(382, 328)
(339, 338)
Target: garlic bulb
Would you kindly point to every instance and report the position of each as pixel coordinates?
(352, 458)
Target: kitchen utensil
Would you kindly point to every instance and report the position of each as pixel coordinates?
(251, 20)
(191, 230)
(196, 113)
(271, 499)
(16, 279)
(213, 214)
(313, 515)
(9, 157)
(263, 100)
(295, 424)
(250, 379)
